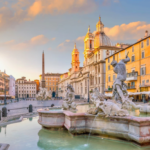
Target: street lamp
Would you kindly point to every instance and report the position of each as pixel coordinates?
(88, 89)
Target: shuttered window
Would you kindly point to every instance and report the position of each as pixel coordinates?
(143, 70)
(133, 58)
(143, 54)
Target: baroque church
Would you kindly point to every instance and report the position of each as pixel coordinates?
(97, 46)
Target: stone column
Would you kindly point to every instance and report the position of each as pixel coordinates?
(43, 71)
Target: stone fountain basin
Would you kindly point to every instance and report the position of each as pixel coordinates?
(130, 128)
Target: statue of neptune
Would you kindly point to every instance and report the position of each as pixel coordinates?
(119, 87)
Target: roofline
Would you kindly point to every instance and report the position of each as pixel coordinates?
(129, 46)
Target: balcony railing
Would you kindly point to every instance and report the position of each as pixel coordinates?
(131, 87)
(132, 76)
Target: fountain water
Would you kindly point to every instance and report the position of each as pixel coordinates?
(91, 129)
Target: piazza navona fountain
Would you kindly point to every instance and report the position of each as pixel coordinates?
(113, 117)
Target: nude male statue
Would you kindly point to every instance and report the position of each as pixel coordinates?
(119, 87)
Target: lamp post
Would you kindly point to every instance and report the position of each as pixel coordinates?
(88, 89)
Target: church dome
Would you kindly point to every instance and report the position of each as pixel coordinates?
(101, 39)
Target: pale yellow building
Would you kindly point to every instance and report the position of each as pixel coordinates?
(138, 69)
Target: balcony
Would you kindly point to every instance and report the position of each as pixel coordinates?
(132, 76)
(131, 87)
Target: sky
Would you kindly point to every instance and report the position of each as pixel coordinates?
(29, 27)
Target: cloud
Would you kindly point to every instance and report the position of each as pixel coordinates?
(67, 40)
(34, 41)
(108, 2)
(53, 39)
(81, 38)
(131, 31)
(25, 10)
(61, 6)
(35, 9)
(69, 44)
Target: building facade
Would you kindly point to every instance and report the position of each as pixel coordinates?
(4, 85)
(97, 47)
(51, 82)
(37, 85)
(138, 69)
(25, 89)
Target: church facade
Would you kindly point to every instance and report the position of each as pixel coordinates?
(97, 47)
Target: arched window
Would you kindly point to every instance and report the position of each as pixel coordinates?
(90, 44)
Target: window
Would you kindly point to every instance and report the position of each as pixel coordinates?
(114, 77)
(90, 44)
(143, 54)
(109, 79)
(113, 57)
(143, 82)
(147, 42)
(133, 58)
(108, 59)
(132, 48)
(143, 70)
(109, 67)
(142, 44)
(147, 81)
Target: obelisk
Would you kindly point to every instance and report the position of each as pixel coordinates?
(43, 71)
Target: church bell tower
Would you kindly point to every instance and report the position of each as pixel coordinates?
(75, 59)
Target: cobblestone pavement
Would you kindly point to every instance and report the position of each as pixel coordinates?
(13, 106)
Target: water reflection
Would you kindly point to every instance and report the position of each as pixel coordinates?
(30, 119)
(62, 140)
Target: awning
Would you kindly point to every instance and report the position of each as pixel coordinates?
(131, 93)
(4, 95)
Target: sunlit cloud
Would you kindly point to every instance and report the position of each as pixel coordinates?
(67, 40)
(131, 31)
(25, 10)
(69, 44)
(58, 7)
(33, 42)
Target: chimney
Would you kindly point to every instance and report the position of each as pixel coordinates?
(29, 79)
(146, 33)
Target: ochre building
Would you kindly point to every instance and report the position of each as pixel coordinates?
(51, 82)
(138, 69)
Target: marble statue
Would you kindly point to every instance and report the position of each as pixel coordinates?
(108, 108)
(96, 97)
(68, 103)
(120, 93)
(44, 94)
(120, 102)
